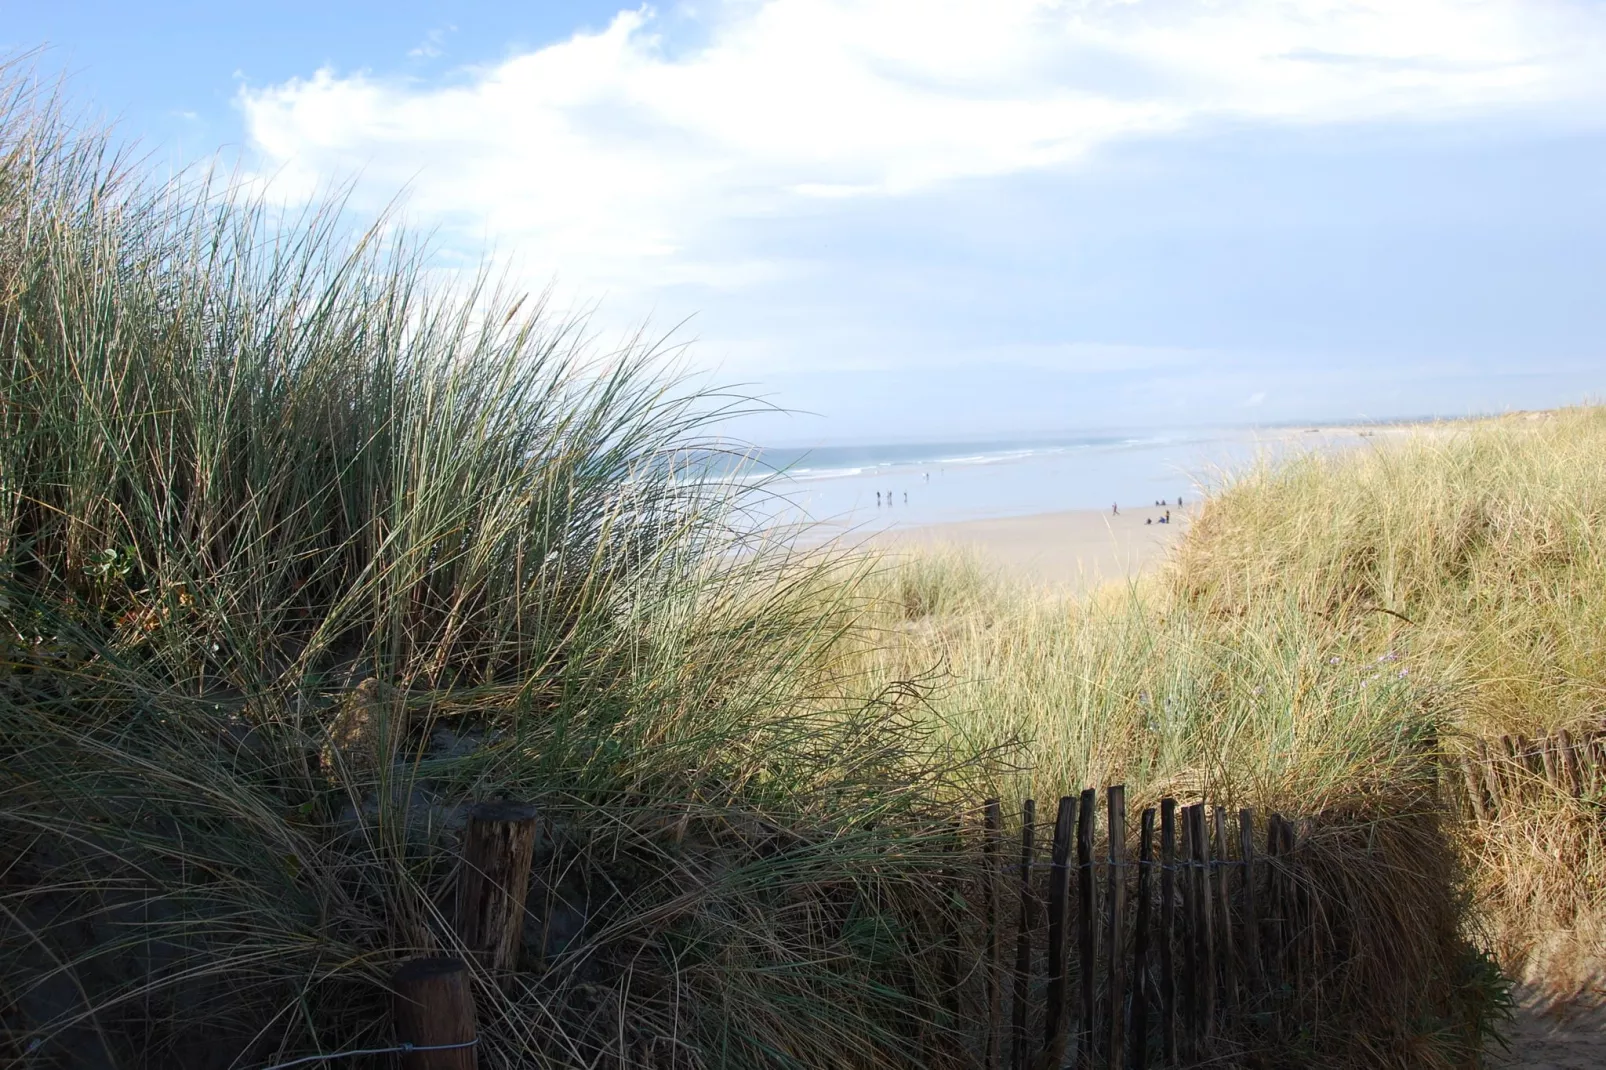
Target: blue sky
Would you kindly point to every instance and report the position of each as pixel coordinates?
(938, 219)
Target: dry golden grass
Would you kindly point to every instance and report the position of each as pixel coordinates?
(1326, 622)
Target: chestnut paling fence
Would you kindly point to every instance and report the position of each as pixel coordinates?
(1512, 771)
(1081, 938)
(1196, 934)
(1169, 948)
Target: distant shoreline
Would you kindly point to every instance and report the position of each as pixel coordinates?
(1079, 549)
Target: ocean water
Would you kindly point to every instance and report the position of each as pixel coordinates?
(920, 483)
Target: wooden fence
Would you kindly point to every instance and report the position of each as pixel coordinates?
(1169, 958)
(1512, 771)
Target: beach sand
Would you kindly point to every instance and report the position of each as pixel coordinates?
(1077, 549)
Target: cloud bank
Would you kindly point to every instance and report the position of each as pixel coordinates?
(615, 159)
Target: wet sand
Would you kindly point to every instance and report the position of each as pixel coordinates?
(1077, 548)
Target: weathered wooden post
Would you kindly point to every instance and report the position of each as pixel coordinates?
(1547, 758)
(992, 852)
(1140, 943)
(1570, 762)
(1491, 778)
(433, 1007)
(1229, 957)
(1023, 936)
(1059, 892)
(1168, 927)
(1086, 934)
(1115, 939)
(1190, 938)
(1207, 939)
(1246, 848)
(494, 881)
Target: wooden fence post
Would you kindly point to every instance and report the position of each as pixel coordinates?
(1059, 890)
(992, 856)
(1292, 910)
(1140, 943)
(1229, 956)
(1023, 936)
(1474, 791)
(1570, 762)
(1246, 848)
(1491, 778)
(1512, 771)
(1547, 758)
(1115, 831)
(1207, 942)
(494, 881)
(1190, 938)
(1086, 934)
(433, 1006)
(1168, 928)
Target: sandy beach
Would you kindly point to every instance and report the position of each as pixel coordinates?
(1076, 548)
(1082, 548)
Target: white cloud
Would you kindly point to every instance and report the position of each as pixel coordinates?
(621, 161)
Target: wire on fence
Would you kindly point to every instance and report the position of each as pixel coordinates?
(400, 1049)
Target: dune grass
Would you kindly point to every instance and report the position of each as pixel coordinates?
(1328, 624)
(300, 555)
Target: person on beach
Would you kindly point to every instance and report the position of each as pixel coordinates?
(906, 497)
(1168, 516)
(1115, 510)
(878, 499)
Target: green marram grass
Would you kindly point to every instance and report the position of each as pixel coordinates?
(298, 556)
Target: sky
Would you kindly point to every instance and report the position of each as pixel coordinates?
(904, 219)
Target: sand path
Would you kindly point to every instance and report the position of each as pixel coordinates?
(1559, 1038)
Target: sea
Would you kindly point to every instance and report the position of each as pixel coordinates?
(873, 486)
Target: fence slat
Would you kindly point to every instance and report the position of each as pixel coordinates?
(992, 849)
(1229, 957)
(1277, 915)
(1207, 940)
(1023, 936)
(1547, 758)
(1474, 791)
(1168, 928)
(1256, 980)
(1190, 937)
(1570, 763)
(1491, 778)
(1086, 934)
(1301, 914)
(1115, 830)
(1059, 882)
(1139, 1044)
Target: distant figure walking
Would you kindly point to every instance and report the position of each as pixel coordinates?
(906, 497)
(878, 499)
(1179, 501)
(1168, 516)
(1115, 509)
